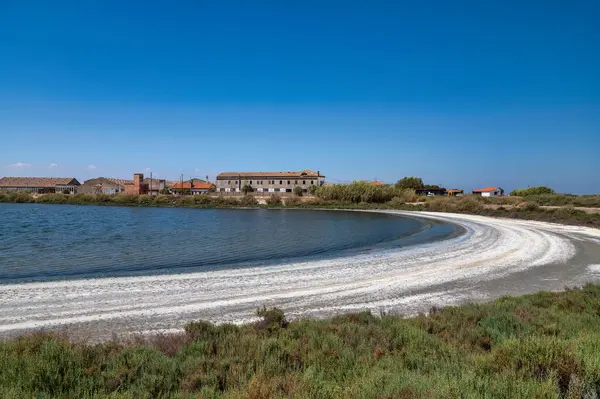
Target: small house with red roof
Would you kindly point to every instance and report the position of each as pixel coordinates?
(489, 192)
(194, 187)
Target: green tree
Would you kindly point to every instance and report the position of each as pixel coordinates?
(298, 191)
(410, 182)
(312, 190)
(247, 189)
(165, 191)
(539, 190)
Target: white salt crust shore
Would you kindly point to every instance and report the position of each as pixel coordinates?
(380, 280)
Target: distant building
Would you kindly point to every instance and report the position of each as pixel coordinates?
(453, 192)
(268, 182)
(377, 183)
(103, 185)
(489, 192)
(139, 185)
(40, 185)
(431, 192)
(195, 187)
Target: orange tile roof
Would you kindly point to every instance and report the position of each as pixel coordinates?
(376, 183)
(302, 173)
(486, 190)
(33, 182)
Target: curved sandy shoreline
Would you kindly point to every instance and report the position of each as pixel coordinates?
(494, 257)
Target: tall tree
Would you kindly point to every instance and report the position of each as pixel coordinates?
(410, 182)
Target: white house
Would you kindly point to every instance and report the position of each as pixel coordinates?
(489, 192)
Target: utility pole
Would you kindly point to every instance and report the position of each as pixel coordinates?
(150, 183)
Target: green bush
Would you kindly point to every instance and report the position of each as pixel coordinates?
(248, 200)
(454, 205)
(145, 199)
(525, 192)
(162, 199)
(247, 189)
(103, 199)
(359, 191)
(203, 200)
(274, 199)
(298, 191)
(541, 345)
(292, 201)
(52, 199)
(125, 199)
(223, 201)
(271, 319)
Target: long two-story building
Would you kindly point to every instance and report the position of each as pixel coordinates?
(268, 182)
(40, 185)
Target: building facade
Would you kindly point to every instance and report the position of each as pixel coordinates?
(489, 192)
(103, 185)
(40, 185)
(140, 186)
(268, 182)
(195, 187)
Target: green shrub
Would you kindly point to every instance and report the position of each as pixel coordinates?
(162, 199)
(274, 199)
(223, 201)
(540, 190)
(359, 191)
(203, 200)
(298, 191)
(248, 200)
(125, 199)
(271, 319)
(103, 198)
(541, 345)
(247, 189)
(20, 197)
(292, 201)
(145, 199)
(200, 330)
(187, 200)
(52, 199)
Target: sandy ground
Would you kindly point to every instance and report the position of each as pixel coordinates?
(493, 258)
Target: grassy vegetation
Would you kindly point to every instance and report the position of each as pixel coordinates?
(359, 195)
(530, 211)
(545, 345)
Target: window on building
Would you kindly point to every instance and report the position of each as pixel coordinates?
(288, 182)
(250, 182)
(303, 181)
(228, 181)
(280, 181)
(312, 182)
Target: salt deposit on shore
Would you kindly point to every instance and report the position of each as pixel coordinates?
(493, 257)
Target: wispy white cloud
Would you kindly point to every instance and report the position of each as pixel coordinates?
(53, 165)
(19, 165)
(91, 167)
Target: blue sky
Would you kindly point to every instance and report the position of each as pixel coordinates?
(464, 94)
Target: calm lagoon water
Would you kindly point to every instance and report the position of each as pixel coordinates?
(48, 242)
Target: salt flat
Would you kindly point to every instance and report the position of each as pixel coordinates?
(492, 258)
